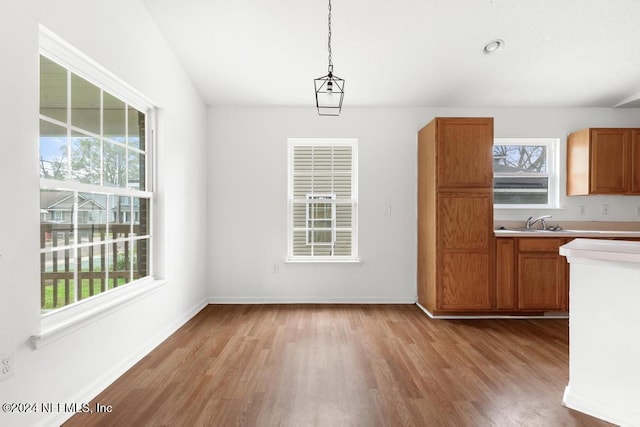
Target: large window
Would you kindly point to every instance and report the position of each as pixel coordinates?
(95, 190)
(322, 199)
(525, 172)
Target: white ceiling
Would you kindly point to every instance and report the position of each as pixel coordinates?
(557, 53)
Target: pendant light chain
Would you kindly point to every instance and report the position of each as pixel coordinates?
(329, 41)
(329, 88)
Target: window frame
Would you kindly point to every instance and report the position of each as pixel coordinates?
(552, 174)
(322, 142)
(56, 321)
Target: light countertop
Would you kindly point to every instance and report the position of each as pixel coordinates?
(574, 229)
(602, 250)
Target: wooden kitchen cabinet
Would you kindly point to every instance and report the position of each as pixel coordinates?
(542, 278)
(603, 161)
(505, 274)
(464, 250)
(531, 276)
(464, 156)
(455, 216)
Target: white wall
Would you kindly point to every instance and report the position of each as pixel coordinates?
(121, 36)
(248, 196)
(248, 205)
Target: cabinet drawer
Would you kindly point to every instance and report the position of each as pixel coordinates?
(540, 244)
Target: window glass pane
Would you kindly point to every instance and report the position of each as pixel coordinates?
(342, 186)
(322, 223)
(322, 183)
(140, 216)
(342, 246)
(114, 116)
(519, 158)
(136, 165)
(300, 246)
(85, 158)
(53, 90)
(521, 190)
(56, 218)
(92, 217)
(343, 215)
(136, 127)
(301, 185)
(91, 272)
(115, 165)
(322, 250)
(519, 198)
(342, 159)
(319, 210)
(119, 217)
(140, 257)
(323, 158)
(299, 215)
(320, 237)
(56, 279)
(53, 151)
(119, 264)
(85, 104)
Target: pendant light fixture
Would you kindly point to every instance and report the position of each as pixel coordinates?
(329, 88)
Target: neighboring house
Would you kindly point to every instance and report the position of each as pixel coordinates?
(57, 207)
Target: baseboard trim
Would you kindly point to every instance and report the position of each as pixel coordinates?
(100, 384)
(306, 300)
(602, 410)
(487, 316)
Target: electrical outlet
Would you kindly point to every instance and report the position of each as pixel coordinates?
(638, 210)
(7, 362)
(275, 268)
(605, 209)
(582, 210)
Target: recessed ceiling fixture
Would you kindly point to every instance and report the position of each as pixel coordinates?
(493, 46)
(329, 88)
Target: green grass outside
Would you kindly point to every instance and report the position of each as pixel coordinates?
(48, 302)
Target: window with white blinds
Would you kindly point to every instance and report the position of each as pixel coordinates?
(322, 190)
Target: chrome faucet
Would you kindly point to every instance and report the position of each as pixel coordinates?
(541, 219)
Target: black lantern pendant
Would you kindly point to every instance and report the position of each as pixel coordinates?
(329, 88)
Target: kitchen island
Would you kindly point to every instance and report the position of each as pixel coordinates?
(604, 329)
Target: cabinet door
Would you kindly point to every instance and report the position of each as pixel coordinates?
(635, 161)
(465, 242)
(465, 156)
(542, 281)
(465, 282)
(466, 220)
(609, 160)
(505, 274)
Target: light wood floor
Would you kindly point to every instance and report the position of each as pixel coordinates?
(335, 365)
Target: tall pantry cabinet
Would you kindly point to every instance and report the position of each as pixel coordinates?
(455, 215)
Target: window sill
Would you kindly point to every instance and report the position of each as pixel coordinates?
(322, 261)
(66, 320)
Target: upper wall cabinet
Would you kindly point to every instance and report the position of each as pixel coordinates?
(603, 161)
(466, 159)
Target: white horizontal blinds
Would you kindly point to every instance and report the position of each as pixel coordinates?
(322, 200)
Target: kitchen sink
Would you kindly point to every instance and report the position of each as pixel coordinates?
(538, 230)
